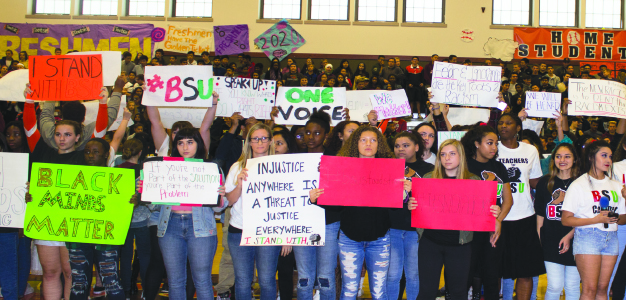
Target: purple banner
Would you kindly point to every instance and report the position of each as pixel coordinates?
(231, 39)
(42, 39)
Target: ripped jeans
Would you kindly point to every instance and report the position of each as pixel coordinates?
(376, 254)
(81, 261)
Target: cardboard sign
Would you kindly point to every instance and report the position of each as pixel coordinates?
(279, 41)
(276, 205)
(12, 85)
(186, 86)
(359, 104)
(446, 135)
(373, 182)
(111, 64)
(65, 77)
(120, 116)
(183, 39)
(176, 181)
(466, 85)
(543, 104)
(231, 39)
(171, 115)
(454, 204)
(391, 104)
(79, 204)
(597, 98)
(296, 104)
(250, 97)
(13, 178)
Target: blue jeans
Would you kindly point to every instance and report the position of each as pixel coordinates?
(311, 260)
(404, 245)
(243, 262)
(141, 237)
(81, 261)
(376, 255)
(559, 277)
(179, 243)
(15, 257)
(508, 285)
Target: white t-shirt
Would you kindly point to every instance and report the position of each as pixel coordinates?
(431, 160)
(236, 212)
(583, 199)
(165, 147)
(619, 171)
(522, 164)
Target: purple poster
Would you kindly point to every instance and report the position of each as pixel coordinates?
(42, 39)
(231, 39)
(279, 40)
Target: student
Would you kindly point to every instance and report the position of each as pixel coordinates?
(449, 248)
(429, 135)
(404, 238)
(339, 135)
(480, 145)
(556, 238)
(258, 143)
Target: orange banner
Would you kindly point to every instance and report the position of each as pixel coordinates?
(576, 44)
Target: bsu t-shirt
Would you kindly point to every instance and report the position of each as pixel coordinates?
(492, 170)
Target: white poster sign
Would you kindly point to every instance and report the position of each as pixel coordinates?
(446, 135)
(359, 104)
(391, 104)
(120, 116)
(13, 178)
(13, 84)
(593, 97)
(181, 182)
(185, 86)
(465, 116)
(296, 104)
(250, 97)
(111, 64)
(171, 115)
(466, 85)
(543, 104)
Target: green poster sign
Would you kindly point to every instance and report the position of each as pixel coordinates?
(79, 204)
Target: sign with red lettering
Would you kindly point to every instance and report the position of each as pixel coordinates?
(184, 86)
(454, 204)
(372, 182)
(65, 77)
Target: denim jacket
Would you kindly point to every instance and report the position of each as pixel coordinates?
(203, 219)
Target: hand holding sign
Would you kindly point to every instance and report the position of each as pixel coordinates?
(391, 104)
(65, 77)
(187, 86)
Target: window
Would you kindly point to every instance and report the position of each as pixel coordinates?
(146, 8)
(279, 9)
(511, 12)
(603, 13)
(428, 11)
(193, 8)
(99, 7)
(376, 10)
(328, 10)
(61, 7)
(558, 13)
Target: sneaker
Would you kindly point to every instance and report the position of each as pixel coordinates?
(165, 289)
(316, 296)
(29, 289)
(223, 296)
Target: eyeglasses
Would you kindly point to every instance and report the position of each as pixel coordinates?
(256, 140)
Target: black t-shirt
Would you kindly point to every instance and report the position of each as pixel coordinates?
(401, 218)
(443, 237)
(332, 213)
(45, 154)
(548, 204)
(492, 170)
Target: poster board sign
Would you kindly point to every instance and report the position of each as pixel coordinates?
(279, 41)
(391, 104)
(446, 135)
(296, 104)
(372, 182)
(276, 205)
(79, 204)
(231, 39)
(466, 85)
(111, 65)
(13, 84)
(183, 39)
(176, 181)
(543, 104)
(250, 97)
(187, 86)
(533, 125)
(454, 204)
(596, 98)
(65, 77)
(359, 104)
(120, 116)
(464, 116)
(171, 115)
(13, 178)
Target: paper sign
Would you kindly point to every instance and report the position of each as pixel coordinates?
(279, 40)
(13, 84)
(454, 204)
(359, 104)
(171, 115)
(466, 85)
(183, 39)
(542, 104)
(391, 104)
(111, 63)
(446, 135)
(79, 204)
(186, 86)
(250, 97)
(120, 116)
(13, 178)
(296, 104)
(464, 116)
(180, 182)
(65, 77)
(592, 97)
(231, 39)
(350, 181)
(276, 205)
(533, 125)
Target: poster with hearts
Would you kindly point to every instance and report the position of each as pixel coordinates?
(279, 40)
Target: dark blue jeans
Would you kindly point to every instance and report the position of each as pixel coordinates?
(141, 237)
(81, 261)
(15, 258)
(244, 257)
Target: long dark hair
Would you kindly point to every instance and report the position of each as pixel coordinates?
(476, 134)
(291, 141)
(554, 171)
(190, 133)
(415, 138)
(334, 143)
(589, 157)
(20, 127)
(433, 148)
(620, 153)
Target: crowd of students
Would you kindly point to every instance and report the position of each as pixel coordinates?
(548, 215)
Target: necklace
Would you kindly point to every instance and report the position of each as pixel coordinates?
(567, 182)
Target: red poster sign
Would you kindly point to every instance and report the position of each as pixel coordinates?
(65, 77)
(373, 182)
(454, 204)
(577, 44)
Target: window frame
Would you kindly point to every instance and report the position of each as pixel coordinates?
(443, 14)
(34, 10)
(577, 14)
(356, 13)
(174, 11)
(262, 11)
(621, 18)
(309, 13)
(81, 13)
(531, 6)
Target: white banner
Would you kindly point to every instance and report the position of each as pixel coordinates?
(296, 104)
(181, 182)
(250, 97)
(594, 97)
(276, 205)
(171, 115)
(111, 65)
(391, 104)
(465, 116)
(359, 104)
(466, 85)
(543, 104)
(186, 86)
(13, 178)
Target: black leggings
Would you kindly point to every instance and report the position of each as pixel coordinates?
(286, 265)
(432, 257)
(485, 265)
(619, 282)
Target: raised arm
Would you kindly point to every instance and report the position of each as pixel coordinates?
(121, 130)
(30, 120)
(116, 98)
(158, 130)
(209, 116)
(102, 121)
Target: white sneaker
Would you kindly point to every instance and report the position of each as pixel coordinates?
(316, 296)
(29, 289)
